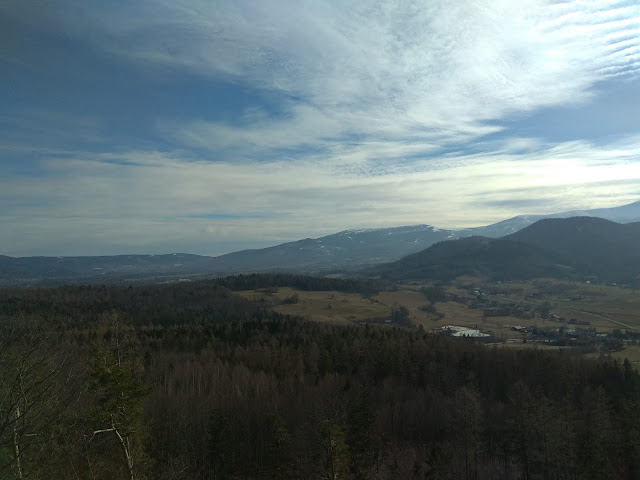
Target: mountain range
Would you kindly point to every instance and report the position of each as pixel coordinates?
(346, 251)
(578, 248)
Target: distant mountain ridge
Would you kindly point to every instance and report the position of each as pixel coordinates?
(56, 270)
(584, 248)
(623, 214)
(344, 251)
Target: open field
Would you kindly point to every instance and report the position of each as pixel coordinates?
(588, 302)
(322, 306)
(459, 314)
(584, 302)
(606, 308)
(630, 352)
(581, 301)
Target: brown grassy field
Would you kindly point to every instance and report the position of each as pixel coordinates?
(566, 299)
(581, 301)
(631, 352)
(618, 304)
(322, 306)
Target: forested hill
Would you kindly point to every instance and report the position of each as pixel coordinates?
(574, 248)
(498, 259)
(590, 245)
(189, 381)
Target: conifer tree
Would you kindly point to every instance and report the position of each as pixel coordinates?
(117, 411)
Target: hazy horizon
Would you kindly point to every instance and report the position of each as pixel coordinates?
(252, 246)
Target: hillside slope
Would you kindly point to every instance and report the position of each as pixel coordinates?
(593, 246)
(577, 248)
(343, 250)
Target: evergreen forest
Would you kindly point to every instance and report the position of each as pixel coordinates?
(190, 381)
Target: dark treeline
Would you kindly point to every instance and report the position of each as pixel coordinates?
(187, 381)
(302, 282)
(154, 301)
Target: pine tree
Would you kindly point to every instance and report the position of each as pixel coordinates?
(118, 407)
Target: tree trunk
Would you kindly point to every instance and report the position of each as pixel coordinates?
(127, 454)
(16, 445)
(124, 443)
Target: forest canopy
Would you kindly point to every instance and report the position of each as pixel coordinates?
(189, 380)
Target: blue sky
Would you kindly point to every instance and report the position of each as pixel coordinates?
(208, 127)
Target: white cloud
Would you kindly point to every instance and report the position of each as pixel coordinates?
(154, 202)
(435, 71)
(410, 69)
(412, 74)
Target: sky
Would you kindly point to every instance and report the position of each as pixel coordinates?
(211, 126)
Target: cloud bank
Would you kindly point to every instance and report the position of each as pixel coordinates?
(146, 202)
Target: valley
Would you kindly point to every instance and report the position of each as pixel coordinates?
(542, 313)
